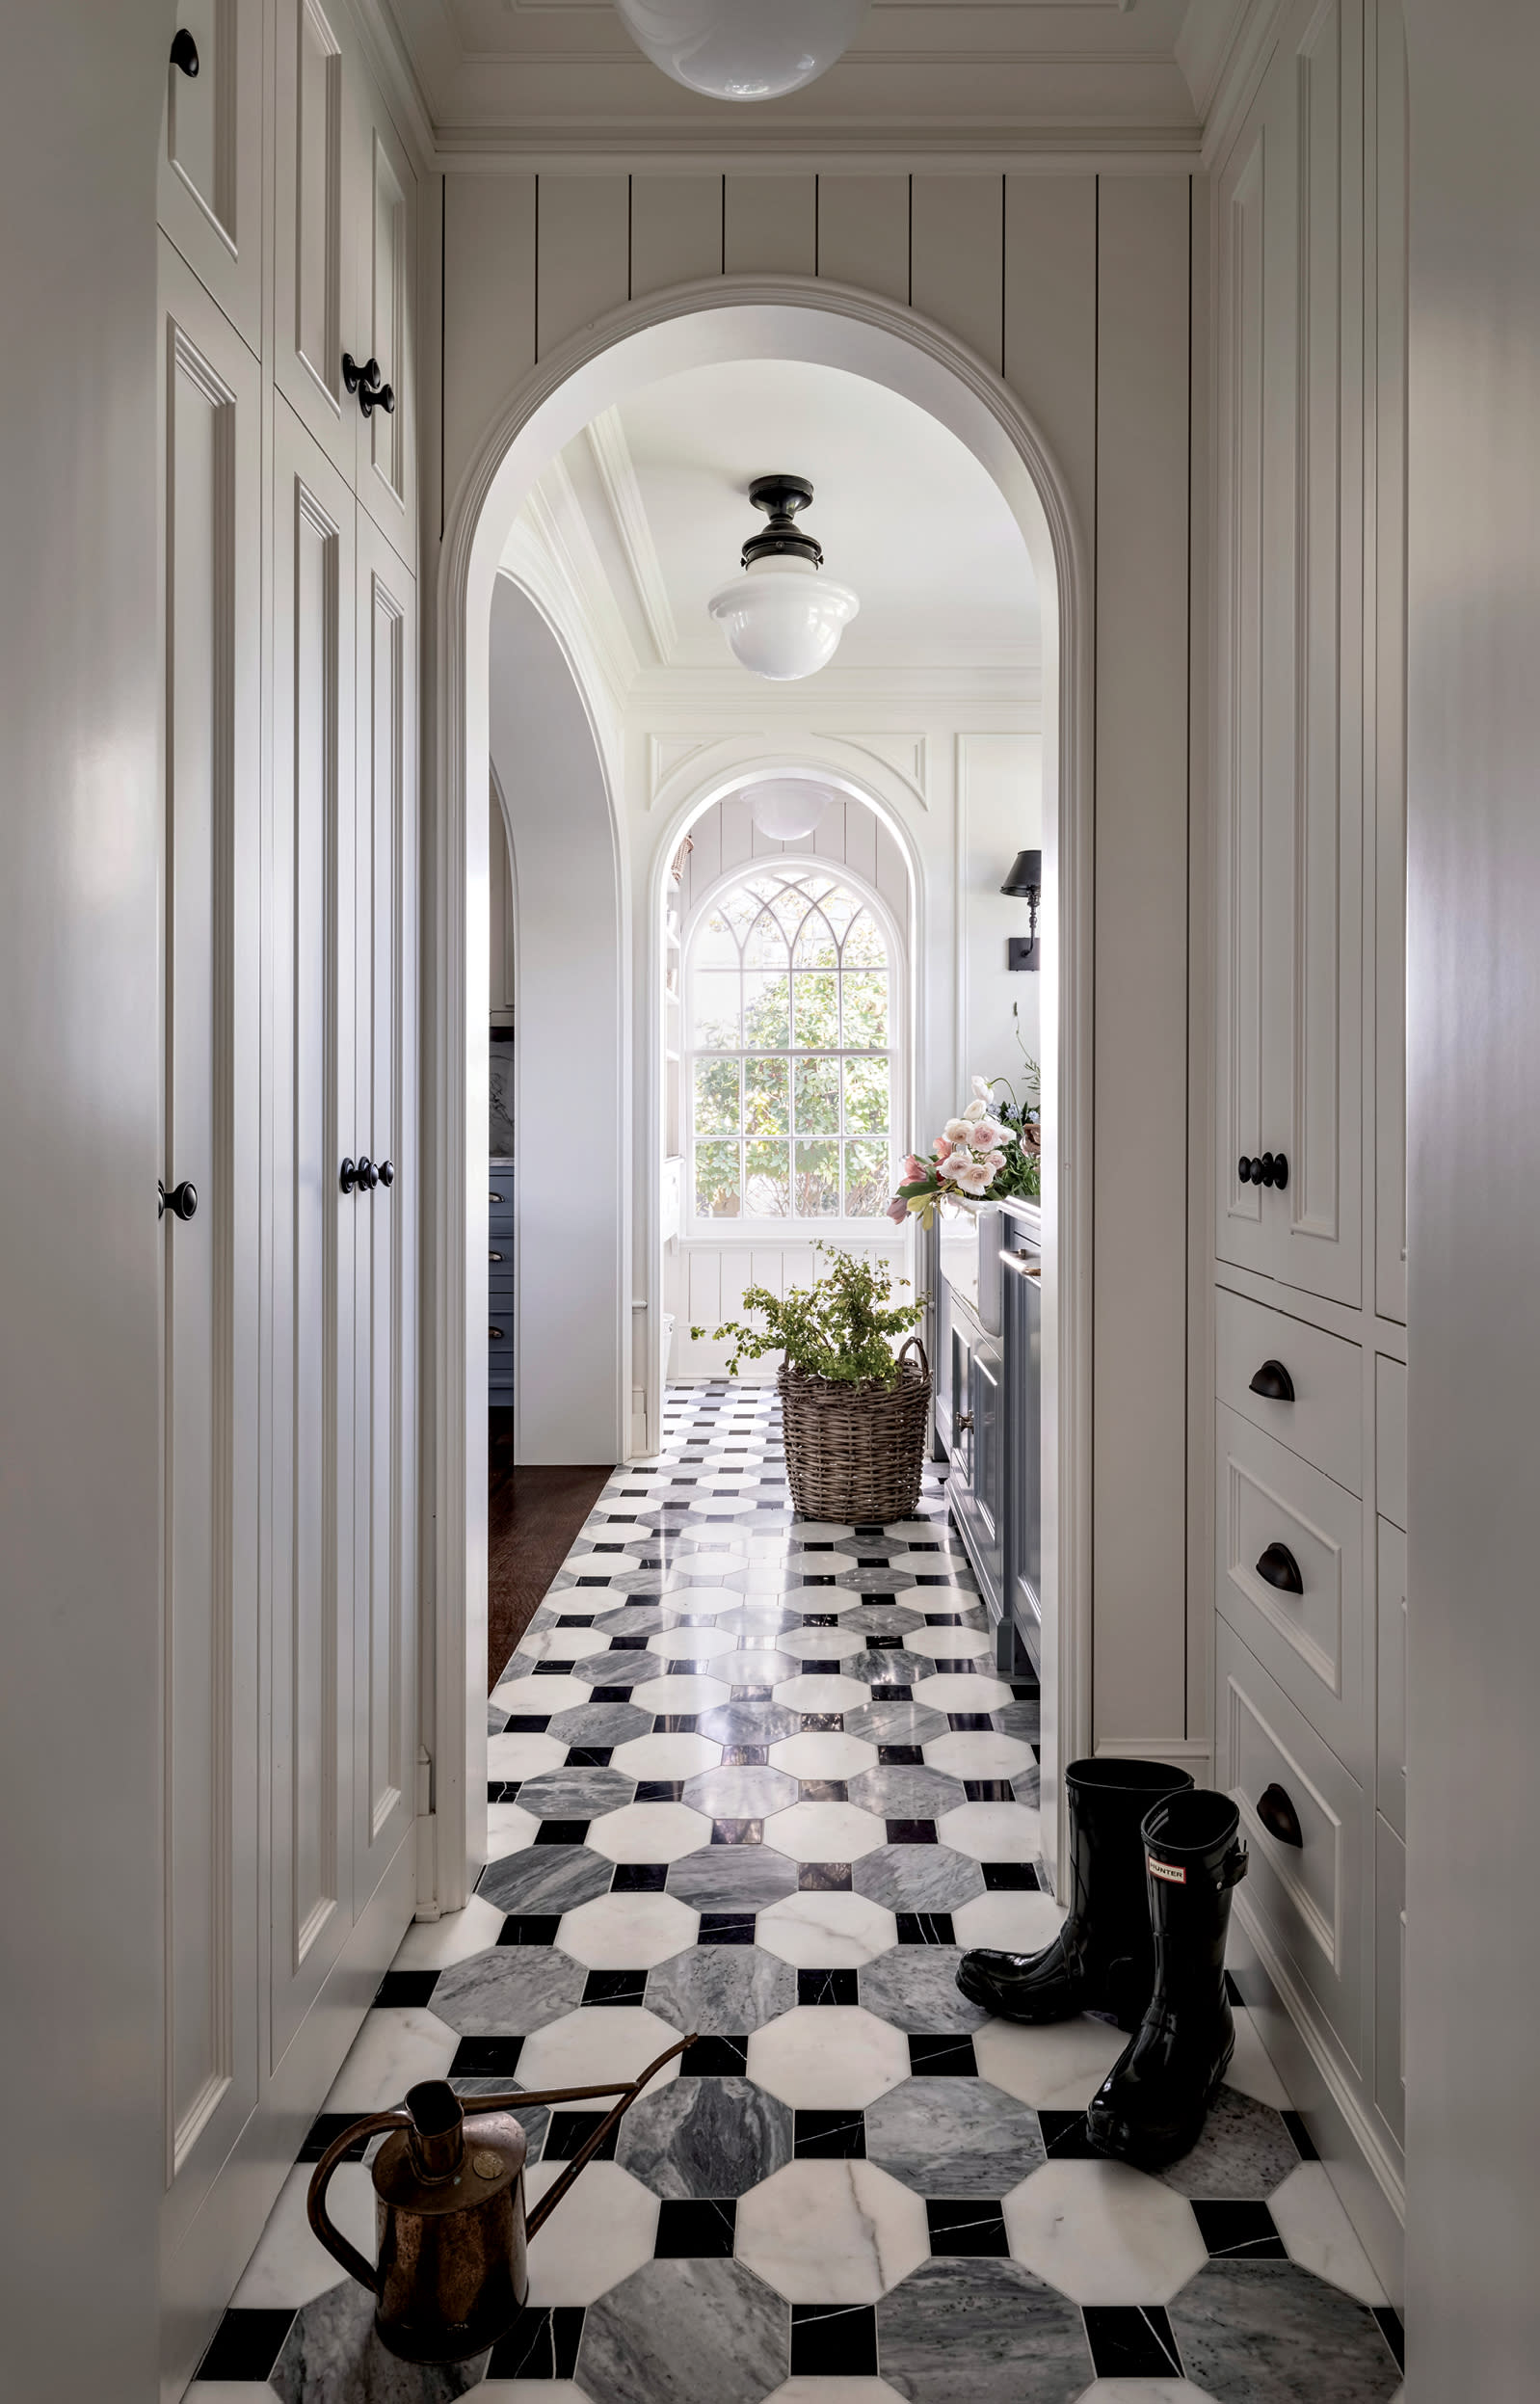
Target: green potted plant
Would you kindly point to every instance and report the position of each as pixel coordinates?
(854, 1412)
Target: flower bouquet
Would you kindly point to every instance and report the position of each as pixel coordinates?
(991, 1153)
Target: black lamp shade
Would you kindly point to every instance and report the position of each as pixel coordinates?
(1026, 878)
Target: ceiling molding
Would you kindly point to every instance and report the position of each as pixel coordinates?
(1254, 34)
(993, 150)
(623, 495)
(390, 57)
(552, 523)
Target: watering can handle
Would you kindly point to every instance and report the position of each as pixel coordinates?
(331, 2237)
(591, 2145)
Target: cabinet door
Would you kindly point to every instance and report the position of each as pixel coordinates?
(314, 1223)
(384, 1119)
(211, 567)
(210, 182)
(382, 207)
(1387, 573)
(315, 259)
(987, 1392)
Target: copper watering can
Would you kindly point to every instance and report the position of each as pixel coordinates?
(449, 2208)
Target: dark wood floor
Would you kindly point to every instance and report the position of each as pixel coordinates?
(532, 1517)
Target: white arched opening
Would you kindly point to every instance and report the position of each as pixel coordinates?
(667, 334)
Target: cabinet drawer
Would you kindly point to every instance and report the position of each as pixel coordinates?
(1390, 1966)
(1310, 1898)
(1390, 1789)
(1390, 1438)
(1313, 1641)
(1324, 1422)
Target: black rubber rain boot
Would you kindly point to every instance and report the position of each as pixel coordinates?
(1152, 2105)
(1102, 1958)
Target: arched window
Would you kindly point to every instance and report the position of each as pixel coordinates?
(792, 994)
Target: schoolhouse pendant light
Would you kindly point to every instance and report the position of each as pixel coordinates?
(783, 617)
(742, 49)
(787, 807)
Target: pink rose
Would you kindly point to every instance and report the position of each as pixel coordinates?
(898, 1211)
(913, 1169)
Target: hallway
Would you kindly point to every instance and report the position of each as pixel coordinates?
(767, 1793)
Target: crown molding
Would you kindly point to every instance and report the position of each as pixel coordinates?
(553, 530)
(616, 470)
(1253, 35)
(391, 59)
(886, 150)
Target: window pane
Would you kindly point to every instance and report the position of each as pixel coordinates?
(767, 1098)
(867, 1096)
(769, 1186)
(766, 1024)
(714, 944)
(716, 1097)
(864, 947)
(818, 1179)
(817, 1097)
(766, 946)
(867, 1190)
(817, 1010)
(865, 1009)
(816, 944)
(714, 1004)
(716, 1181)
(840, 908)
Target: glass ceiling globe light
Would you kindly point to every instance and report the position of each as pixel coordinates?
(742, 49)
(782, 617)
(787, 807)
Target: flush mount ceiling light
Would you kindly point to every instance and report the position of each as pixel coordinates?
(787, 807)
(742, 49)
(781, 617)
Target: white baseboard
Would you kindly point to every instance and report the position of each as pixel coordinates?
(1196, 1752)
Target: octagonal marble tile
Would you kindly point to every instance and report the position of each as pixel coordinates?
(609, 2233)
(1056, 2069)
(626, 1931)
(1009, 1919)
(1104, 2233)
(991, 1831)
(821, 1691)
(593, 2048)
(695, 2332)
(823, 1753)
(824, 1832)
(679, 1756)
(953, 2137)
(434, 1944)
(660, 1831)
(961, 1690)
(522, 1757)
(831, 2231)
(978, 1753)
(705, 2137)
(829, 1929)
(508, 1991)
(821, 2057)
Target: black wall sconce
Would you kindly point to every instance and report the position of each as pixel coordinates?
(1026, 882)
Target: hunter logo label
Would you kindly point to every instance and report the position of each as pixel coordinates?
(1165, 1869)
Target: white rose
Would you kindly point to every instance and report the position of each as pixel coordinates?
(974, 1177)
(974, 1112)
(987, 1136)
(958, 1130)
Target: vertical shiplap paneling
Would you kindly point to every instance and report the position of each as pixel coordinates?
(738, 838)
(676, 230)
(489, 305)
(1049, 282)
(1141, 985)
(860, 842)
(705, 860)
(864, 232)
(770, 225)
(584, 238)
(956, 250)
(892, 875)
(829, 835)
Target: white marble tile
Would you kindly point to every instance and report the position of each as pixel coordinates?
(544, 1695)
(596, 2237)
(516, 2390)
(1252, 2069)
(991, 1831)
(704, 1597)
(678, 1693)
(1057, 2068)
(820, 1690)
(1014, 1920)
(395, 2047)
(438, 1944)
(756, 1666)
(691, 1643)
(713, 1561)
(961, 1690)
(822, 2056)
(951, 1645)
(978, 1753)
(1319, 2236)
(825, 1832)
(628, 1931)
(1139, 2392)
(605, 2043)
(813, 2391)
(823, 1643)
(681, 1756)
(290, 2266)
(826, 1930)
(549, 1642)
(1104, 2233)
(719, 1506)
(653, 1832)
(823, 1753)
(831, 2233)
(522, 1757)
(509, 1827)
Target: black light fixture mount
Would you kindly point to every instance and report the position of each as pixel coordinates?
(1025, 883)
(780, 497)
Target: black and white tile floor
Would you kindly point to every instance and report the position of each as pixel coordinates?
(758, 1777)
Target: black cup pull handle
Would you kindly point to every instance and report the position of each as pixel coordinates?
(1277, 1566)
(1273, 1383)
(184, 51)
(1279, 1817)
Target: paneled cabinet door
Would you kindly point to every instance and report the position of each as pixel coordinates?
(385, 1122)
(210, 581)
(317, 212)
(210, 182)
(314, 1222)
(383, 206)
(1291, 666)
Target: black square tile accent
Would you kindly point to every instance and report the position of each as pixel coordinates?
(871, 1561)
(623, 1517)
(1304, 2142)
(1393, 2333)
(824, 1878)
(1131, 2341)
(897, 1693)
(900, 1757)
(822, 1790)
(882, 1643)
(575, 1619)
(406, 1986)
(611, 1695)
(726, 1928)
(926, 1928)
(968, 1723)
(530, 1928)
(833, 2340)
(829, 2136)
(822, 1577)
(737, 1831)
(661, 1790)
(818, 1669)
(674, 1722)
(968, 2226)
(989, 1790)
(871, 1534)
(715, 2057)
(322, 2131)
(912, 1833)
(945, 1619)
(603, 1581)
(639, 1877)
(943, 2057)
(561, 1832)
(502, 1790)
(1064, 2137)
(822, 1723)
(628, 1643)
(1009, 1878)
(827, 1987)
(1239, 2232)
(589, 1756)
(1025, 1691)
(821, 1619)
(246, 2344)
(528, 1723)
(542, 2345)
(569, 2131)
(888, 1594)
(698, 2230)
(824, 1545)
(486, 2057)
(615, 1987)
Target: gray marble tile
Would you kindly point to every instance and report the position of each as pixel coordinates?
(496, 1720)
(721, 1990)
(1020, 1719)
(632, 1619)
(732, 1878)
(740, 1793)
(896, 1668)
(969, 2331)
(1028, 1788)
(749, 1724)
(918, 1877)
(896, 1723)
(707, 2137)
(508, 1992)
(1269, 2332)
(953, 2137)
(1245, 2151)
(630, 1669)
(909, 1791)
(534, 2119)
(880, 1619)
(576, 1793)
(601, 1724)
(546, 1879)
(685, 2332)
(331, 2355)
(916, 1987)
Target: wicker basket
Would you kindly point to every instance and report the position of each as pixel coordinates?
(855, 1452)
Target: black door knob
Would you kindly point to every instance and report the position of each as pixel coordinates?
(368, 1174)
(373, 396)
(388, 1174)
(1273, 1383)
(1278, 1567)
(348, 1176)
(353, 374)
(1250, 1171)
(184, 51)
(181, 1201)
(1280, 1161)
(1279, 1817)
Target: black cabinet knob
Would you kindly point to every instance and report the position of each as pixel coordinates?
(388, 1174)
(368, 1174)
(348, 1176)
(1280, 1161)
(497, 1335)
(1279, 1817)
(184, 51)
(353, 374)
(365, 382)
(181, 1201)
(1267, 1169)
(1273, 1383)
(1278, 1567)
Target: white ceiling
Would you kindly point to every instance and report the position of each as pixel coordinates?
(905, 513)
